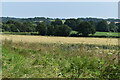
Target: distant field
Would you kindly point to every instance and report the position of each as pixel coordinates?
(104, 34)
(62, 20)
(109, 34)
(19, 33)
(67, 40)
(97, 34)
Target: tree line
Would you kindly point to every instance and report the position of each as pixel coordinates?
(59, 28)
(5, 19)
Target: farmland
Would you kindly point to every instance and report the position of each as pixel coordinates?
(97, 34)
(59, 57)
(69, 40)
(53, 40)
(109, 34)
(53, 48)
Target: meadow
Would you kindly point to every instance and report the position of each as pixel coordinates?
(59, 57)
(109, 34)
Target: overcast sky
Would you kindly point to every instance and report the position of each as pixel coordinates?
(60, 9)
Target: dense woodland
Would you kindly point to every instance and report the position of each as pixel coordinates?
(60, 27)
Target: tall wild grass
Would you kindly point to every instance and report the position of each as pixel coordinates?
(37, 60)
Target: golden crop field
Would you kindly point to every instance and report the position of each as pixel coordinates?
(69, 40)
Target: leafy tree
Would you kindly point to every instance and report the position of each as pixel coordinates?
(18, 25)
(102, 26)
(118, 28)
(86, 28)
(28, 27)
(15, 25)
(41, 28)
(93, 23)
(10, 22)
(5, 27)
(73, 23)
(56, 22)
(62, 30)
(13, 28)
(50, 30)
(113, 27)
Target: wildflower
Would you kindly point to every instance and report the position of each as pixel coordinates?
(100, 52)
(59, 74)
(62, 43)
(97, 47)
(110, 53)
(113, 50)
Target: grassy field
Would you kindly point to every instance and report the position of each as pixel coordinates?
(53, 60)
(97, 34)
(19, 33)
(102, 34)
(109, 34)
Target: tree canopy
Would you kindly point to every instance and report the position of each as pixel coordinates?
(73, 23)
(102, 26)
(60, 27)
(86, 28)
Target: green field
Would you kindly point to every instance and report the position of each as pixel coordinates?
(23, 60)
(109, 34)
(97, 34)
(102, 34)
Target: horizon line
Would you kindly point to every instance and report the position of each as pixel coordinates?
(61, 17)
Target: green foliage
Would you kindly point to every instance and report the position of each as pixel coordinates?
(102, 26)
(49, 26)
(62, 30)
(50, 30)
(107, 34)
(86, 28)
(54, 30)
(5, 27)
(23, 60)
(15, 26)
(119, 28)
(72, 23)
(111, 72)
(28, 27)
(74, 34)
(41, 28)
(56, 22)
(21, 33)
(113, 27)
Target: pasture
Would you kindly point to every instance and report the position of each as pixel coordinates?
(109, 34)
